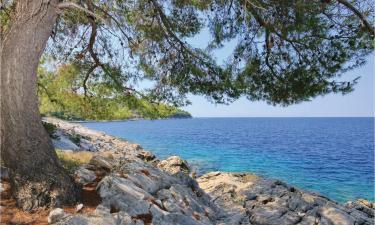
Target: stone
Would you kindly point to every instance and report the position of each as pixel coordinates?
(4, 173)
(146, 176)
(273, 202)
(55, 215)
(84, 176)
(336, 216)
(361, 217)
(63, 142)
(309, 220)
(146, 156)
(177, 219)
(365, 203)
(135, 147)
(108, 219)
(362, 205)
(79, 207)
(120, 194)
(174, 164)
(267, 214)
(86, 145)
(101, 162)
(136, 189)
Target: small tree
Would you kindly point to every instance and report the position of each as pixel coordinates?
(286, 52)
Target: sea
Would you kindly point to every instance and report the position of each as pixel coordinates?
(330, 156)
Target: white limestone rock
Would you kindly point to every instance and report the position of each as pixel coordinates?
(174, 164)
(84, 176)
(101, 162)
(55, 215)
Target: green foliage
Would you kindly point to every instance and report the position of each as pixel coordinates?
(51, 129)
(75, 138)
(286, 51)
(291, 51)
(180, 114)
(60, 95)
(6, 11)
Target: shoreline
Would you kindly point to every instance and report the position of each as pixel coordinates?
(317, 162)
(137, 188)
(124, 120)
(201, 172)
(53, 120)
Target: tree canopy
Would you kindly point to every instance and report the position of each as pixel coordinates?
(286, 51)
(59, 96)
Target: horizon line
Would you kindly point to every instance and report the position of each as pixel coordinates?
(283, 116)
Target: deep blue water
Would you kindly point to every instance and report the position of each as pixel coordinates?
(331, 156)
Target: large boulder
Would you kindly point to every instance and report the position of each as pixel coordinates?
(120, 194)
(174, 164)
(335, 216)
(84, 176)
(146, 156)
(178, 199)
(64, 143)
(87, 145)
(102, 162)
(56, 215)
(101, 216)
(362, 209)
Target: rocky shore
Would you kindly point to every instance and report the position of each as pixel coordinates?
(134, 187)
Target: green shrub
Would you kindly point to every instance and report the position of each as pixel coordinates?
(75, 138)
(51, 129)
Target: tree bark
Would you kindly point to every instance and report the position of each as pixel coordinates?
(37, 178)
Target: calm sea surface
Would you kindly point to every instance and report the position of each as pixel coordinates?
(331, 156)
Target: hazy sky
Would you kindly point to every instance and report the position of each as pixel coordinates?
(358, 103)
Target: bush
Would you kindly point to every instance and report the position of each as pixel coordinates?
(51, 129)
(65, 116)
(75, 138)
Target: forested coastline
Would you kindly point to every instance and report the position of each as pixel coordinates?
(60, 95)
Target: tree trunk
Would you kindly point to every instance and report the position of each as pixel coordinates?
(37, 178)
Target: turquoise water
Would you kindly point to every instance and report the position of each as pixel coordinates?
(331, 156)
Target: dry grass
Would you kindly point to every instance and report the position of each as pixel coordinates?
(71, 160)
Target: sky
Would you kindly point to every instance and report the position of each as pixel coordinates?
(359, 103)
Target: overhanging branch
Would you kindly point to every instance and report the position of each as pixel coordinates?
(72, 5)
(362, 17)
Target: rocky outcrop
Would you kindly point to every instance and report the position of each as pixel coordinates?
(84, 176)
(62, 141)
(72, 136)
(174, 164)
(136, 188)
(367, 208)
(146, 156)
(249, 199)
(140, 193)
